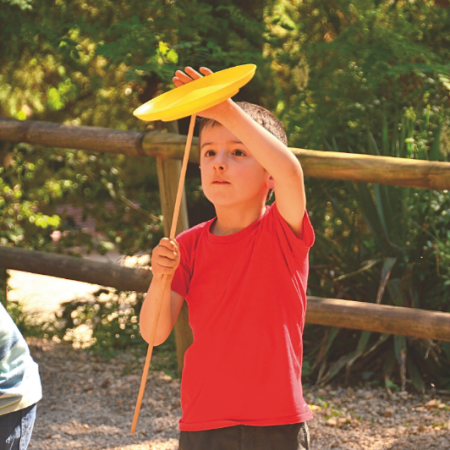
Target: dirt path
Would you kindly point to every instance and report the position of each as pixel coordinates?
(88, 404)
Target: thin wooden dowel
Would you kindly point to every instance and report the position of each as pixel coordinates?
(176, 210)
(160, 297)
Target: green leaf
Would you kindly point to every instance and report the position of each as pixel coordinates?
(163, 47)
(361, 347)
(54, 99)
(445, 80)
(385, 274)
(336, 367)
(400, 347)
(383, 338)
(395, 291)
(415, 376)
(328, 340)
(366, 266)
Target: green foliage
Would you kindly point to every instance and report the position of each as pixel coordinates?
(405, 234)
(26, 323)
(113, 318)
(113, 321)
(92, 64)
(354, 67)
(35, 182)
(3, 286)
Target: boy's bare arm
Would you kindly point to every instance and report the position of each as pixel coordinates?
(165, 260)
(272, 154)
(275, 157)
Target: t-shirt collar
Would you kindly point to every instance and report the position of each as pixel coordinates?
(235, 236)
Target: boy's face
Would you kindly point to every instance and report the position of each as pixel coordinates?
(230, 174)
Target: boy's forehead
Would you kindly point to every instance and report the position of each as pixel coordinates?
(216, 133)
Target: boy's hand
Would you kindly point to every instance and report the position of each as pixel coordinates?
(181, 78)
(165, 258)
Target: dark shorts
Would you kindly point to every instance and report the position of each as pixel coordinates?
(243, 437)
(16, 429)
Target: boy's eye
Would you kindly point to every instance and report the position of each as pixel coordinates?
(239, 153)
(209, 153)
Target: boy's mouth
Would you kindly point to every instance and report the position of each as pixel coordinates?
(220, 182)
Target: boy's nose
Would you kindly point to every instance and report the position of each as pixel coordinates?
(220, 163)
(219, 166)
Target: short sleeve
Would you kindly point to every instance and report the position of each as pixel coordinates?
(304, 240)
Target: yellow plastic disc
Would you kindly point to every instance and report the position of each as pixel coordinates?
(196, 96)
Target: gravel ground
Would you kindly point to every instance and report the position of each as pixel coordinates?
(88, 404)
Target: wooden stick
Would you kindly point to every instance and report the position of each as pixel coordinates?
(159, 298)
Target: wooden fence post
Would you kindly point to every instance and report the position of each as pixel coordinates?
(168, 176)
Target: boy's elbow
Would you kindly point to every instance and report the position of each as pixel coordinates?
(296, 172)
(145, 335)
(292, 180)
(158, 339)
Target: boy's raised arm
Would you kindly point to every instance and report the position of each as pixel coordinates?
(275, 157)
(271, 153)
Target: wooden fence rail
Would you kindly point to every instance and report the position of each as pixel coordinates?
(318, 164)
(77, 269)
(322, 311)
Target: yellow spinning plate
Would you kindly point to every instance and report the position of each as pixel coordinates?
(196, 96)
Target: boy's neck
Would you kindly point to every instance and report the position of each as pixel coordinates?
(231, 220)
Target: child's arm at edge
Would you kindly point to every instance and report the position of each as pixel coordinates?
(165, 260)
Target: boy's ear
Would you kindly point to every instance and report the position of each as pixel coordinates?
(270, 182)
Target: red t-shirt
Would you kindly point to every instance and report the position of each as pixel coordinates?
(247, 301)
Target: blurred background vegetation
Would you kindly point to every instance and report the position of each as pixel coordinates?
(367, 76)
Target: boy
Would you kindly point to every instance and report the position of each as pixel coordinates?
(244, 276)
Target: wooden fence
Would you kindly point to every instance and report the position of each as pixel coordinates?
(168, 146)
(321, 311)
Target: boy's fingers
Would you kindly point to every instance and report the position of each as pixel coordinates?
(165, 252)
(166, 242)
(193, 73)
(183, 77)
(165, 263)
(172, 243)
(177, 82)
(206, 71)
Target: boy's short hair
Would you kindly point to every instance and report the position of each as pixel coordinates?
(260, 115)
